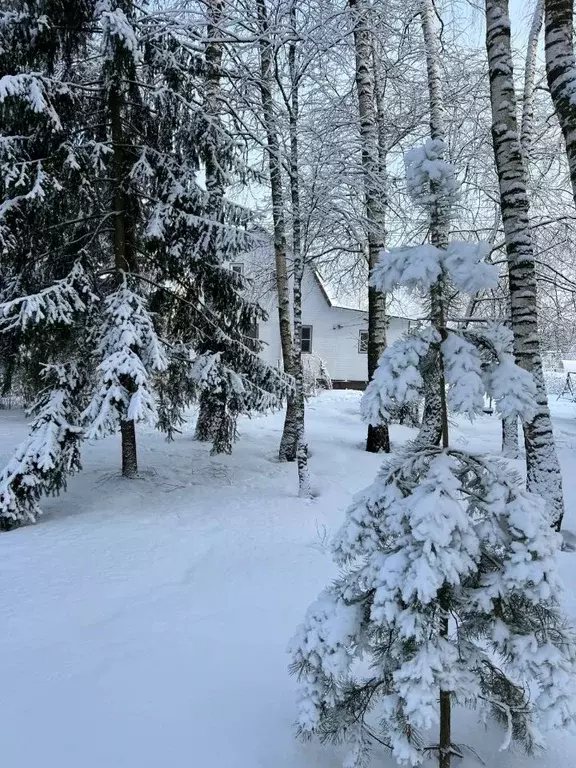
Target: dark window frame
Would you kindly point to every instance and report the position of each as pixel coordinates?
(307, 341)
(362, 341)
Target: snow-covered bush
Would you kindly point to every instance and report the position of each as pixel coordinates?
(316, 375)
(51, 452)
(448, 594)
(555, 382)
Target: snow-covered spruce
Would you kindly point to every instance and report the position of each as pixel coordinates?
(448, 589)
(130, 353)
(51, 452)
(440, 536)
(91, 205)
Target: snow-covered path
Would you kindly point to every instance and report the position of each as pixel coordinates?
(145, 623)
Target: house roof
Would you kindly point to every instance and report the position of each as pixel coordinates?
(405, 306)
(401, 304)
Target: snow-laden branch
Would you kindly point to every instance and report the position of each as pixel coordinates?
(59, 304)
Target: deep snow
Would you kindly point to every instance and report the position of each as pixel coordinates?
(145, 623)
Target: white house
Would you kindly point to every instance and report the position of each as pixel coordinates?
(334, 334)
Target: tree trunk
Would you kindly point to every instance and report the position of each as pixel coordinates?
(510, 425)
(435, 421)
(216, 421)
(543, 469)
(374, 197)
(431, 429)
(510, 438)
(207, 421)
(299, 404)
(288, 443)
(129, 449)
(529, 78)
(561, 73)
(124, 253)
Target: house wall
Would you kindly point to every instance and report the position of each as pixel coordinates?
(335, 333)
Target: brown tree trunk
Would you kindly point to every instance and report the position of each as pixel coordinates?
(124, 252)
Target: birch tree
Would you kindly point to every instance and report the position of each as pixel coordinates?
(293, 105)
(510, 426)
(561, 73)
(434, 405)
(288, 443)
(374, 194)
(527, 125)
(543, 469)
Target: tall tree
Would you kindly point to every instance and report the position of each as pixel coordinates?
(288, 443)
(543, 470)
(561, 73)
(530, 77)
(510, 426)
(378, 438)
(293, 104)
(434, 424)
(128, 288)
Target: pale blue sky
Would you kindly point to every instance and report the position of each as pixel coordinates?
(520, 15)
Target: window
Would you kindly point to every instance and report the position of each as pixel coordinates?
(363, 342)
(238, 268)
(306, 342)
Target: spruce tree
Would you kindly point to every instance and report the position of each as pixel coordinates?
(116, 257)
(448, 593)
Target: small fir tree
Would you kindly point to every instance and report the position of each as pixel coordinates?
(448, 593)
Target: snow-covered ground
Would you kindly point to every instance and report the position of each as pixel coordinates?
(145, 623)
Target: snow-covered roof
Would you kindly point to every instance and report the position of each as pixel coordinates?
(401, 303)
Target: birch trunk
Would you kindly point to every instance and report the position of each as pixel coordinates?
(543, 470)
(299, 404)
(561, 73)
(510, 430)
(510, 438)
(529, 78)
(434, 417)
(374, 196)
(288, 443)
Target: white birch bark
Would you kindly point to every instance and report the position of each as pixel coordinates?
(298, 269)
(527, 128)
(288, 443)
(434, 415)
(561, 73)
(510, 435)
(510, 431)
(543, 469)
(375, 204)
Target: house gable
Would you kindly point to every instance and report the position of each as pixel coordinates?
(335, 330)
